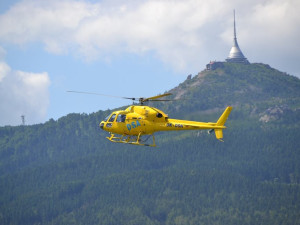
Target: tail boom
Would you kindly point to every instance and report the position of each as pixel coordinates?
(174, 124)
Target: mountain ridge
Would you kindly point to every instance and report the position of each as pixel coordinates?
(66, 172)
(237, 85)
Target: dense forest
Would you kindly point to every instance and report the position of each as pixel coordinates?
(67, 172)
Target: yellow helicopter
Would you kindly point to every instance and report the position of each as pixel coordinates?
(129, 125)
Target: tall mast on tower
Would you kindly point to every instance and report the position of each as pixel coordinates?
(235, 54)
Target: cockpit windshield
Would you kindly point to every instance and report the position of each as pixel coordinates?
(106, 118)
(109, 116)
(112, 118)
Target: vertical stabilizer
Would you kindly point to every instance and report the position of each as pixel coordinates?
(221, 121)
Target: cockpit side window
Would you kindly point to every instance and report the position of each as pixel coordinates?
(112, 118)
(121, 118)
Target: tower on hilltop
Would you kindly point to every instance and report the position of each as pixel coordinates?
(235, 54)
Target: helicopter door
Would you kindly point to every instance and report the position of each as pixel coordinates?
(121, 122)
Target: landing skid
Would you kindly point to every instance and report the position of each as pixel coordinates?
(131, 139)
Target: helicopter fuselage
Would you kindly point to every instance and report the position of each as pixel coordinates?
(146, 120)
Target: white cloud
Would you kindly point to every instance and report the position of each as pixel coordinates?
(22, 93)
(4, 70)
(183, 34)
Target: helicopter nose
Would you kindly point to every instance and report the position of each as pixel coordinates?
(101, 125)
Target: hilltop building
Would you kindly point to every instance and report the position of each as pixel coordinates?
(235, 54)
(212, 65)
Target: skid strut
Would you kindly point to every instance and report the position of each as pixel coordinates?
(131, 139)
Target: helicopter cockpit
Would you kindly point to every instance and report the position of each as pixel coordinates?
(114, 117)
(111, 118)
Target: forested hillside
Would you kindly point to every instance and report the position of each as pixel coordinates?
(67, 172)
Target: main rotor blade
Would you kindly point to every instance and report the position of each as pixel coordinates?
(161, 100)
(93, 93)
(141, 100)
(155, 97)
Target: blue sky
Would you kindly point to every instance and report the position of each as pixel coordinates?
(127, 48)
